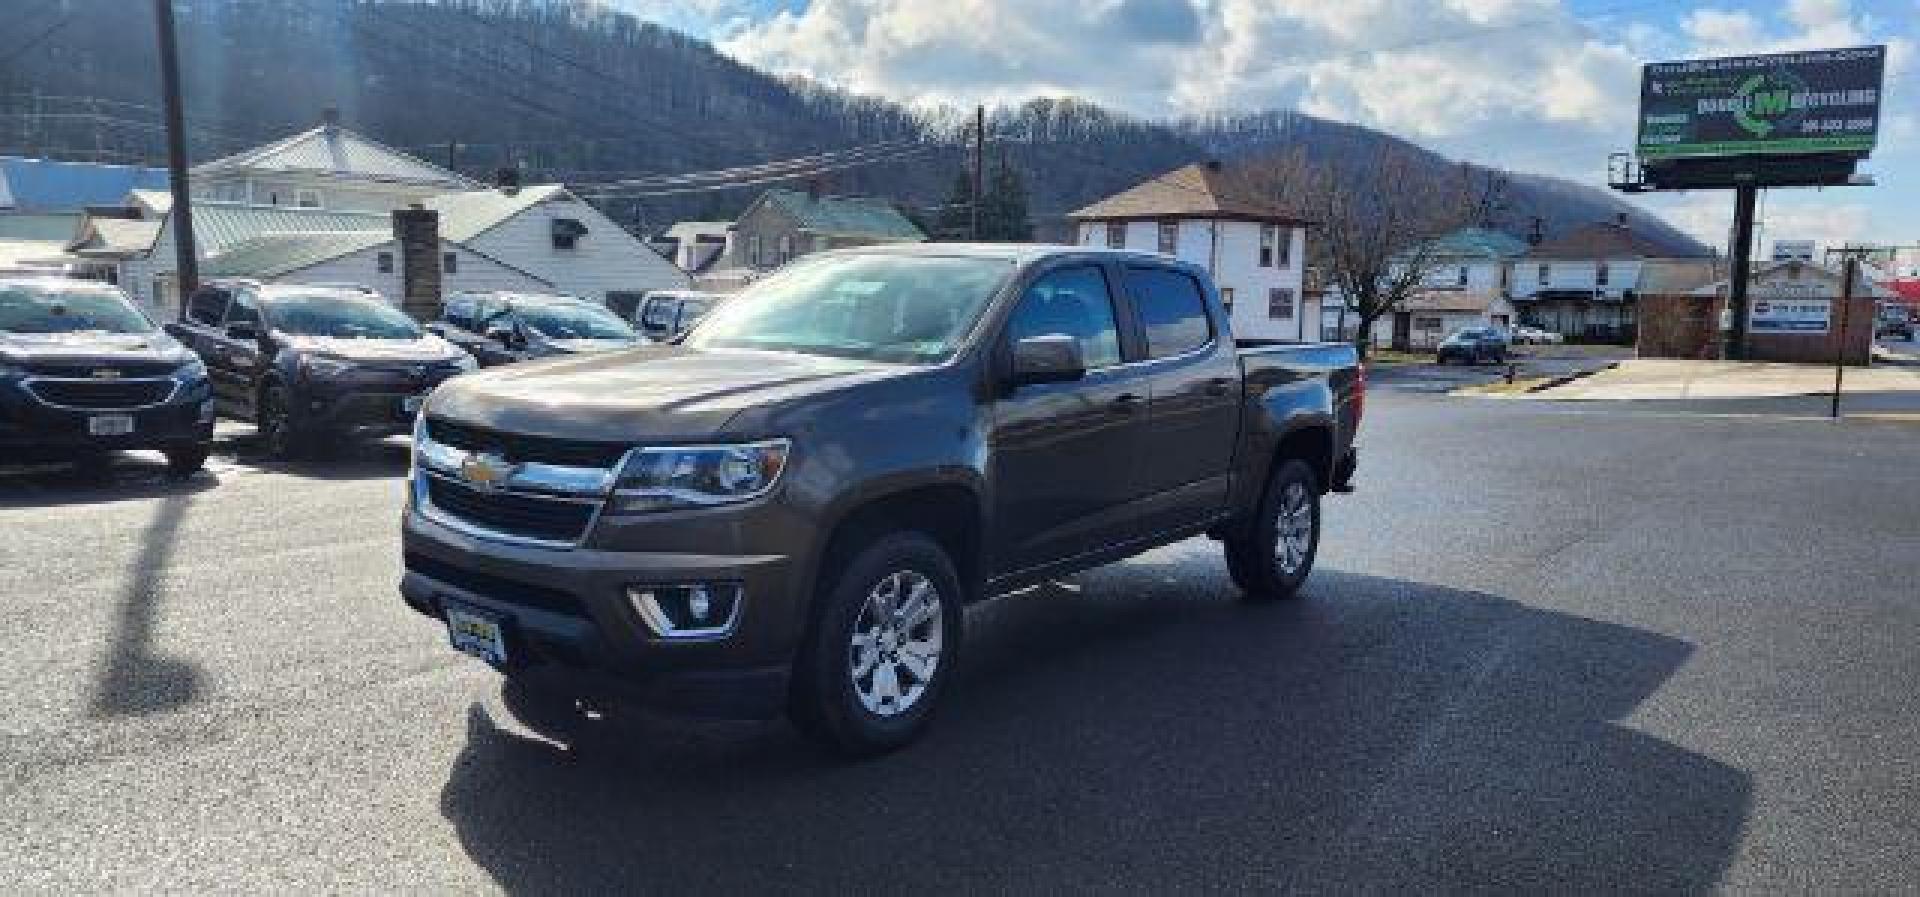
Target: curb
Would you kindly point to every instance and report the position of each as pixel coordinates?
(1569, 378)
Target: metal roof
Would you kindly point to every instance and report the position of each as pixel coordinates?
(219, 226)
(271, 255)
(39, 226)
(1478, 242)
(116, 237)
(333, 150)
(45, 185)
(849, 216)
(464, 216)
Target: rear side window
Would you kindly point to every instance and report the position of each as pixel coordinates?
(207, 307)
(244, 309)
(1172, 310)
(1074, 302)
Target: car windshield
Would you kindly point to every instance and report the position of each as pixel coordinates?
(340, 316)
(68, 309)
(873, 307)
(573, 320)
(1472, 333)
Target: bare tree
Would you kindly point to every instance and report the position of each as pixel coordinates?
(1375, 217)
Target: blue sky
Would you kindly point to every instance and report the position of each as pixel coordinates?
(1536, 85)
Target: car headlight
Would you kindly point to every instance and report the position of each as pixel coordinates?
(191, 370)
(464, 363)
(325, 365)
(665, 479)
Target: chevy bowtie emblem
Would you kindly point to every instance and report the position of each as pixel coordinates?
(487, 471)
(106, 374)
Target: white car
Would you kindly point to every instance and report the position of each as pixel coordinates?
(1534, 336)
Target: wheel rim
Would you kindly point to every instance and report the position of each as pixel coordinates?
(274, 416)
(1293, 531)
(896, 644)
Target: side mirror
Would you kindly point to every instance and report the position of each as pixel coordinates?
(502, 332)
(246, 331)
(1053, 358)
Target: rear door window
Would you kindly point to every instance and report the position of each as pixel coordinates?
(243, 309)
(208, 307)
(1173, 311)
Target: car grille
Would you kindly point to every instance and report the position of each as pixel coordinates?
(101, 394)
(498, 588)
(86, 370)
(522, 448)
(513, 514)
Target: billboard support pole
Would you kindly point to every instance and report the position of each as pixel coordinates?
(1847, 283)
(1743, 203)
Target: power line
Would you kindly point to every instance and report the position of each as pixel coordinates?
(767, 179)
(797, 167)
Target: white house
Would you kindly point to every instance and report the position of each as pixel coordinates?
(318, 207)
(1255, 250)
(1468, 273)
(1584, 283)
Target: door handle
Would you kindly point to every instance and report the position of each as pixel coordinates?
(1219, 386)
(1125, 403)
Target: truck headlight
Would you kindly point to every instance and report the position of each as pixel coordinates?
(464, 363)
(697, 476)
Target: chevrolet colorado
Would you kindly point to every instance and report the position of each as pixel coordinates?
(788, 509)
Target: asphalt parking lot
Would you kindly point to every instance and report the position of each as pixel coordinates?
(1547, 648)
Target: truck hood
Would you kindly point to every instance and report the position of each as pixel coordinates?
(651, 392)
(86, 347)
(426, 348)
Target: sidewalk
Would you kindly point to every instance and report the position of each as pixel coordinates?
(1660, 378)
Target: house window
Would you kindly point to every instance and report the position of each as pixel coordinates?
(1226, 298)
(1600, 274)
(1426, 323)
(1506, 273)
(1461, 281)
(1116, 235)
(307, 199)
(450, 262)
(753, 250)
(1169, 237)
(1545, 272)
(567, 233)
(1269, 238)
(383, 263)
(1286, 246)
(273, 199)
(1280, 304)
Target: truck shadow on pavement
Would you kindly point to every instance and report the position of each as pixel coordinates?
(1141, 731)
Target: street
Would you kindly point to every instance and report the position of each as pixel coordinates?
(1547, 647)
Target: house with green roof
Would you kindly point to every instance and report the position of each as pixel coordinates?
(319, 207)
(785, 224)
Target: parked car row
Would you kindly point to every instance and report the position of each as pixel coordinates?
(84, 372)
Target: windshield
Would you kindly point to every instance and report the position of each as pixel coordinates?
(573, 320)
(344, 317)
(908, 309)
(63, 309)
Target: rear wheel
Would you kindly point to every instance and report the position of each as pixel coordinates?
(1271, 556)
(881, 648)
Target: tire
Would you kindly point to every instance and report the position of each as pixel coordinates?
(859, 623)
(185, 462)
(1262, 564)
(280, 439)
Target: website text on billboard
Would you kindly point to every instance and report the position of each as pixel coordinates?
(1817, 101)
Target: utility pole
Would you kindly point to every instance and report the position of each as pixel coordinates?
(1735, 348)
(186, 261)
(979, 163)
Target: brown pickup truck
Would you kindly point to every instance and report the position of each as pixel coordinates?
(788, 510)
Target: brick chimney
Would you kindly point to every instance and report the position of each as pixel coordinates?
(417, 230)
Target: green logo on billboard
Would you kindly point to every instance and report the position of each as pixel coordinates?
(1766, 102)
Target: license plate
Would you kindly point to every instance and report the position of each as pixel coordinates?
(478, 634)
(411, 404)
(110, 425)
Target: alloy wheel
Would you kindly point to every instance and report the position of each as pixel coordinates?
(896, 643)
(1293, 531)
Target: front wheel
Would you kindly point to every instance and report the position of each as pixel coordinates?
(882, 646)
(1269, 557)
(280, 440)
(185, 462)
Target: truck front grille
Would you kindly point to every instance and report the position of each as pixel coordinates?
(511, 513)
(523, 448)
(101, 394)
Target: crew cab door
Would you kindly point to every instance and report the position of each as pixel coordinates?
(1193, 418)
(1065, 454)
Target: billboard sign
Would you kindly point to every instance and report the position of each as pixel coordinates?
(1815, 101)
(1793, 250)
(1805, 316)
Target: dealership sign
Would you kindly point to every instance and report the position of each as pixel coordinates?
(1790, 315)
(1817, 101)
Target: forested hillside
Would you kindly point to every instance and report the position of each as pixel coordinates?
(568, 91)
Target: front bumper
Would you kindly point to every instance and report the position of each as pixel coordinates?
(567, 615)
(365, 405)
(30, 426)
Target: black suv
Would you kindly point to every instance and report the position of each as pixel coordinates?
(305, 363)
(502, 328)
(84, 372)
(666, 315)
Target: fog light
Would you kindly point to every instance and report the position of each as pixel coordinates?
(700, 610)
